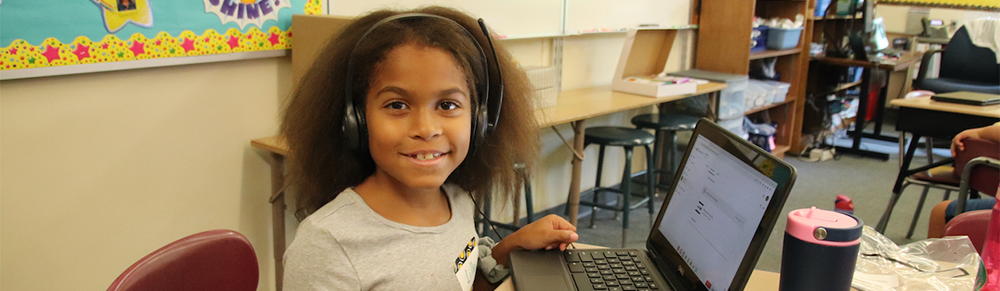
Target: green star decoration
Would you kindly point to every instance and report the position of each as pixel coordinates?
(31, 60)
(121, 54)
(171, 51)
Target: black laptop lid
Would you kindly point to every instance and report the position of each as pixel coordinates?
(719, 211)
(971, 98)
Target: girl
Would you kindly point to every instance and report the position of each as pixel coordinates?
(402, 125)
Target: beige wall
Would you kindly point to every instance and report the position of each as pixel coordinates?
(100, 169)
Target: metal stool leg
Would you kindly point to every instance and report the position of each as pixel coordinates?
(884, 221)
(597, 186)
(527, 198)
(626, 188)
(916, 214)
(672, 152)
(650, 184)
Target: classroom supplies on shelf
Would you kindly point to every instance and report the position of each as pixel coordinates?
(641, 65)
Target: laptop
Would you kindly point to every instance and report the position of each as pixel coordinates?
(970, 98)
(708, 234)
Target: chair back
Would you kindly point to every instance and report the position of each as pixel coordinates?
(982, 178)
(964, 61)
(212, 260)
(972, 224)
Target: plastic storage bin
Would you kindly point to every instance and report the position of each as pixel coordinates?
(732, 99)
(783, 38)
(779, 91)
(757, 94)
(821, 6)
(758, 39)
(734, 125)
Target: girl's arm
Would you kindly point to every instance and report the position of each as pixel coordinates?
(991, 133)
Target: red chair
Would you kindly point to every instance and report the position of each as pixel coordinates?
(212, 260)
(972, 224)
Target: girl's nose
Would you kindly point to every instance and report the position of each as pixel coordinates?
(425, 125)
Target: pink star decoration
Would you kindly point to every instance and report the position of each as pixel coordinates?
(137, 48)
(51, 53)
(82, 51)
(274, 39)
(188, 45)
(13, 51)
(233, 42)
(104, 45)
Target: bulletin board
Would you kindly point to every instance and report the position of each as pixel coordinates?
(506, 18)
(38, 36)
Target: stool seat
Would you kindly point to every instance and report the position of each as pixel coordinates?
(617, 136)
(671, 122)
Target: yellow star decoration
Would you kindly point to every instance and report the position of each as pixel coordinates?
(141, 16)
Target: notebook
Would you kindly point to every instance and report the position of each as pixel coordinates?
(708, 234)
(971, 98)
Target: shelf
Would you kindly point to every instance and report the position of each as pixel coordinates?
(770, 53)
(835, 17)
(840, 87)
(780, 150)
(769, 106)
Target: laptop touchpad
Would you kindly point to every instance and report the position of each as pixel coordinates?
(540, 270)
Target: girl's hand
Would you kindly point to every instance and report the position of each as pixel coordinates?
(956, 143)
(547, 233)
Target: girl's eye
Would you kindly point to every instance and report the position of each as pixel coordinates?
(448, 105)
(396, 105)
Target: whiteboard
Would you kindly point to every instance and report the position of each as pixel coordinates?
(583, 16)
(506, 18)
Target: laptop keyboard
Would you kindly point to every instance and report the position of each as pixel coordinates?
(610, 270)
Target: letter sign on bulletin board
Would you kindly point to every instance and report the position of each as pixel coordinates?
(57, 34)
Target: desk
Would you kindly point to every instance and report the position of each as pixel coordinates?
(903, 62)
(943, 120)
(573, 107)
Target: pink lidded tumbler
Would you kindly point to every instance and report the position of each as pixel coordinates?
(820, 250)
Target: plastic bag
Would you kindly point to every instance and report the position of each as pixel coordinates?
(949, 263)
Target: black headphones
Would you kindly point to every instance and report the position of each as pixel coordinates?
(489, 89)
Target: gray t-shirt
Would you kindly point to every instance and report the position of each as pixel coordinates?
(345, 245)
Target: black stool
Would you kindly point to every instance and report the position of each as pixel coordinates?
(483, 223)
(666, 126)
(626, 138)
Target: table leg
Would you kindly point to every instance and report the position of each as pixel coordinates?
(574, 184)
(278, 215)
(859, 122)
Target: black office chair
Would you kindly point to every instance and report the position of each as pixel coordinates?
(964, 67)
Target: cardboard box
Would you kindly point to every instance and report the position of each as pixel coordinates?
(645, 54)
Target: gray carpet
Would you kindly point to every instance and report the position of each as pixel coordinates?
(867, 181)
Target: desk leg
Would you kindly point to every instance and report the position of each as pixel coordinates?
(859, 122)
(278, 215)
(897, 186)
(574, 183)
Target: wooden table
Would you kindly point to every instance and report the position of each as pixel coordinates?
(903, 62)
(573, 107)
(943, 120)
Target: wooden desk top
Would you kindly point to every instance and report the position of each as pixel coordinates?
(927, 103)
(904, 61)
(591, 102)
(571, 106)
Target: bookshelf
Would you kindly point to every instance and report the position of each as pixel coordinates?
(724, 39)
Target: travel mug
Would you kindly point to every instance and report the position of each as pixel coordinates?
(820, 250)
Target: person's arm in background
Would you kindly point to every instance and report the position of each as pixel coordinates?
(991, 133)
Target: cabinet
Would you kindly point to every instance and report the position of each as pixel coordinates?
(724, 38)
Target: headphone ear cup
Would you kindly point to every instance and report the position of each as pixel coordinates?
(478, 128)
(354, 128)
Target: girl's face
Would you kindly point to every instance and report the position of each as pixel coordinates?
(419, 118)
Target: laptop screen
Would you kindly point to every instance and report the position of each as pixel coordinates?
(721, 209)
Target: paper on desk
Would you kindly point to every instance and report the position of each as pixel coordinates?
(885, 281)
